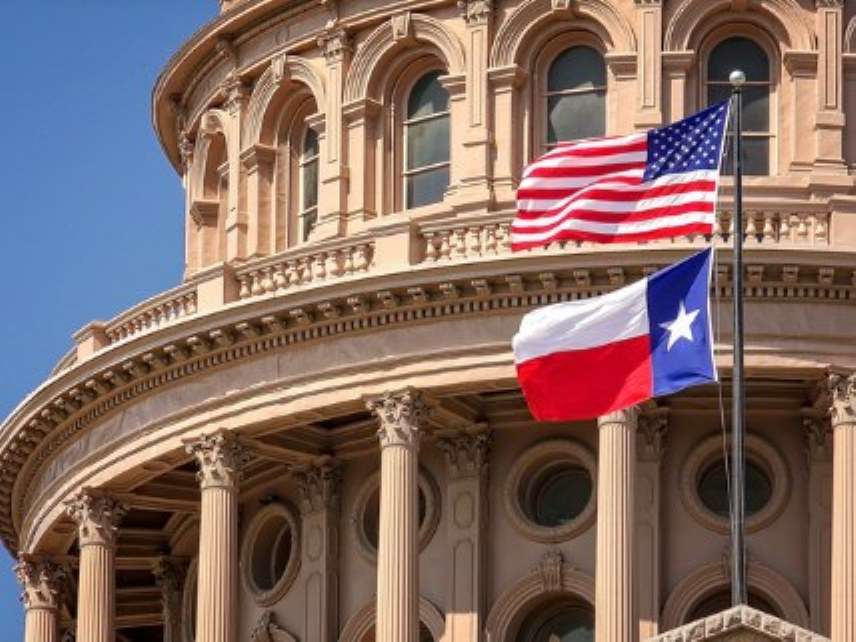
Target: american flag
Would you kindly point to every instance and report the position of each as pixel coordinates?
(658, 184)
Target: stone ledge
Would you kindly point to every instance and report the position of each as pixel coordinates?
(739, 624)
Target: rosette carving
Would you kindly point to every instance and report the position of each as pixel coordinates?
(401, 414)
(97, 516)
(221, 458)
(42, 582)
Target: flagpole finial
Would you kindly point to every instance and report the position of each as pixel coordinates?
(737, 78)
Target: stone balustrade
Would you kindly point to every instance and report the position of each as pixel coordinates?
(155, 313)
(306, 265)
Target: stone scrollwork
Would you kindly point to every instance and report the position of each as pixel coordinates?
(221, 459)
(97, 516)
(401, 415)
(842, 390)
(267, 630)
(335, 43)
(42, 582)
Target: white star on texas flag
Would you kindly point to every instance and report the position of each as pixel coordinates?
(681, 327)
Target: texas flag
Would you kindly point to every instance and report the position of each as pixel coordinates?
(586, 358)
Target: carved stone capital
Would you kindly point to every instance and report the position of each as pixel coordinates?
(236, 93)
(476, 12)
(829, 4)
(186, 148)
(42, 582)
(466, 454)
(401, 415)
(97, 516)
(628, 417)
(319, 485)
(842, 391)
(169, 577)
(818, 437)
(336, 44)
(653, 427)
(221, 458)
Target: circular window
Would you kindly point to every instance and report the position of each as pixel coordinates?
(705, 484)
(366, 516)
(270, 555)
(721, 601)
(550, 491)
(566, 621)
(713, 489)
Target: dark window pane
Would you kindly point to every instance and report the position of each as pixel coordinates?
(738, 53)
(719, 602)
(713, 489)
(574, 624)
(561, 495)
(428, 142)
(427, 187)
(310, 143)
(427, 97)
(577, 68)
(718, 93)
(576, 116)
(310, 218)
(756, 156)
(756, 109)
(310, 185)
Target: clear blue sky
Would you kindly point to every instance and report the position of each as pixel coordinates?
(91, 210)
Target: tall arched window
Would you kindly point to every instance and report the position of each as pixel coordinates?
(308, 183)
(576, 95)
(566, 620)
(426, 142)
(742, 53)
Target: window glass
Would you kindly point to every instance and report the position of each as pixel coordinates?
(738, 53)
(576, 95)
(560, 495)
(721, 601)
(427, 141)
(713, 488)
(563, 621)
(309, 183)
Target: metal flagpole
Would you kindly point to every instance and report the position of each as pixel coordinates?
(738, 457)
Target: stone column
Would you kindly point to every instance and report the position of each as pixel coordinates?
(221, 459)
(653, 426)
(42, 582)
(843, 414)
(169, 578)
(319, 486)
(467, 473)
(819, 454)
(615, 581)
(97, 516)
(400, 415)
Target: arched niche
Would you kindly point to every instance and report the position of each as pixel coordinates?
(532, 17)
(694, 18)
(211, 151)
(711, 577)
(361, 623)
(553, 578)
(400, 33)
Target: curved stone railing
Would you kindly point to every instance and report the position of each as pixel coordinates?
(152, 314)
(306, 265)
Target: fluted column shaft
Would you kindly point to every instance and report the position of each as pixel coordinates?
(220, 459)
(42, 583)
(615, 580)
(400, 414)
(97, 516)
(843, 413)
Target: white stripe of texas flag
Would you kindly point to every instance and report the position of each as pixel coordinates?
(580, 325)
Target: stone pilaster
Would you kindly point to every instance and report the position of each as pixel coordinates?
(649, 112)
(615, 581)
(830, 82)
(843, 415)
(466, 456)
(237, 95)
(506, 83)
(400, 415)
(97, 516)
(333, 189)
(42, 583)
(651, 437)
(221, 459)
(169, 577)
(818, 436)
(319, 485)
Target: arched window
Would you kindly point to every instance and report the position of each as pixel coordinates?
(742, 53)
(308, 183)
(721, 601)
(576, 95)
(426, 142)
(563, 620)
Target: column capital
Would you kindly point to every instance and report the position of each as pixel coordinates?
(221, 458)
(653, 427)
(842, 392)
(319, 485)
(236, 92)
(626, 416)
(818, 435)
(829, 4)
(42, 582)
(97, 515)
(401, 414)
(476, 12)
(466, 453)
(169, 577)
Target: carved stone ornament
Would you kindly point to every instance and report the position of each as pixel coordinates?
(266, 630)
(818, 437)
(185, 148)
(221, 459)
(829, 4)
(235, 93)
(550, 568)
(97, 516)
(401, 414)
(401, 27)
(169, 577)
(335, 43)
(739, 624)
(842, 390)
(278, 69)
(653, 427)
(42, 582)
(319, 486)
(476, 12)
(466, 454)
